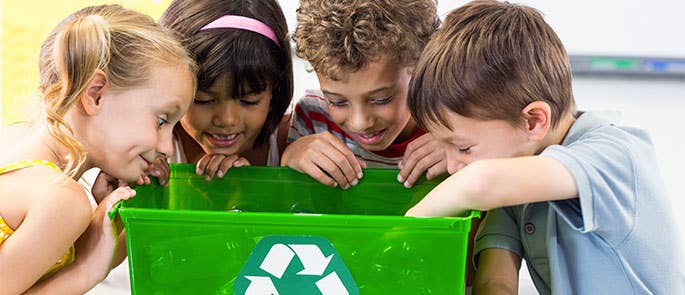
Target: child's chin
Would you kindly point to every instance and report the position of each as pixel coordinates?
(131, 177)
(377, 147)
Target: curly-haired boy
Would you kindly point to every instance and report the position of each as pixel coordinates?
(363, 53)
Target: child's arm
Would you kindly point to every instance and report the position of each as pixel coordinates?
(52, 223)
(95, 246)
(497, 272)
(488, 184)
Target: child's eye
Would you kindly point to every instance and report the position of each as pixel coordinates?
(465, 150)
(202, 101)
(382, 101)
(334, 103)
(249, 102)
(161, 122)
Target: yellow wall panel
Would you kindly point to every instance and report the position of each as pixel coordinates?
(24, 24)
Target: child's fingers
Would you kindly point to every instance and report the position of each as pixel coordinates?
(414, 146)
(165, 173)
(350, 158)
(315, 172)
(241, 162)
(411, 158)
(437, 170)
(226, 164)
(341, 169)
(163, 178)
(362, 164)
(201, 164)
(422, 166)
(213, 167)
(336, 151)
(331, 168)
(160, 169)
(143, 179)
(121, 193)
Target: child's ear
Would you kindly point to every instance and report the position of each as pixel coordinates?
(538, 118)
(91, 99)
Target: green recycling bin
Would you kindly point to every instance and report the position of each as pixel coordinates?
(272, 230)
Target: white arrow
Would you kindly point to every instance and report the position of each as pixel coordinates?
(331, 285)
(277, 260)
(260, 286)
(312, 259)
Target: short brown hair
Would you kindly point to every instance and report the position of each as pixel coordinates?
(251, 60)
(488, 61)
(339, 37)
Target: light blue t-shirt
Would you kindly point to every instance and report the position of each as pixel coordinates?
(618, 237)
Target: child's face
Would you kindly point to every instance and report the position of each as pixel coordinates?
(222, 124)
(136, 123)
(472, 140)
(370, 104)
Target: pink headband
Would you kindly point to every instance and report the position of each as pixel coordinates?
(245, 23)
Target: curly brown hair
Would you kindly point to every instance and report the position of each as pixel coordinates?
(343, 36)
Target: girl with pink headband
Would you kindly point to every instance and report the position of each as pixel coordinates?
(245, 84)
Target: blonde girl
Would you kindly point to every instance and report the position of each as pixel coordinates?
(113, 84)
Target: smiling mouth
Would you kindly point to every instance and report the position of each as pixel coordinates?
(223, 140)
(146, 161)
(370, 138)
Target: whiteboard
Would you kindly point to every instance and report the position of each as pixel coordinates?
(654, 28)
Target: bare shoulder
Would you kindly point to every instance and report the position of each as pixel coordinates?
(15, 131)
(45, 194)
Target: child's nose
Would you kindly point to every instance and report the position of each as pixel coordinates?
(360, 121)
(165, 144)
(226, 116)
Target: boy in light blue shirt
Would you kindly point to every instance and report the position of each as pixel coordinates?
(578, 197)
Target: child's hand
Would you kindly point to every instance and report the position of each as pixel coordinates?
(160, 169)
(104, 185)
(218, 164)
(325, 158)
(425, 154)
(96, 247)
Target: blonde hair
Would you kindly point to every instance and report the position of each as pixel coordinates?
(120, 42)
(339, 37)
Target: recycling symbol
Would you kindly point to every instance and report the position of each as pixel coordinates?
(283, 265)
